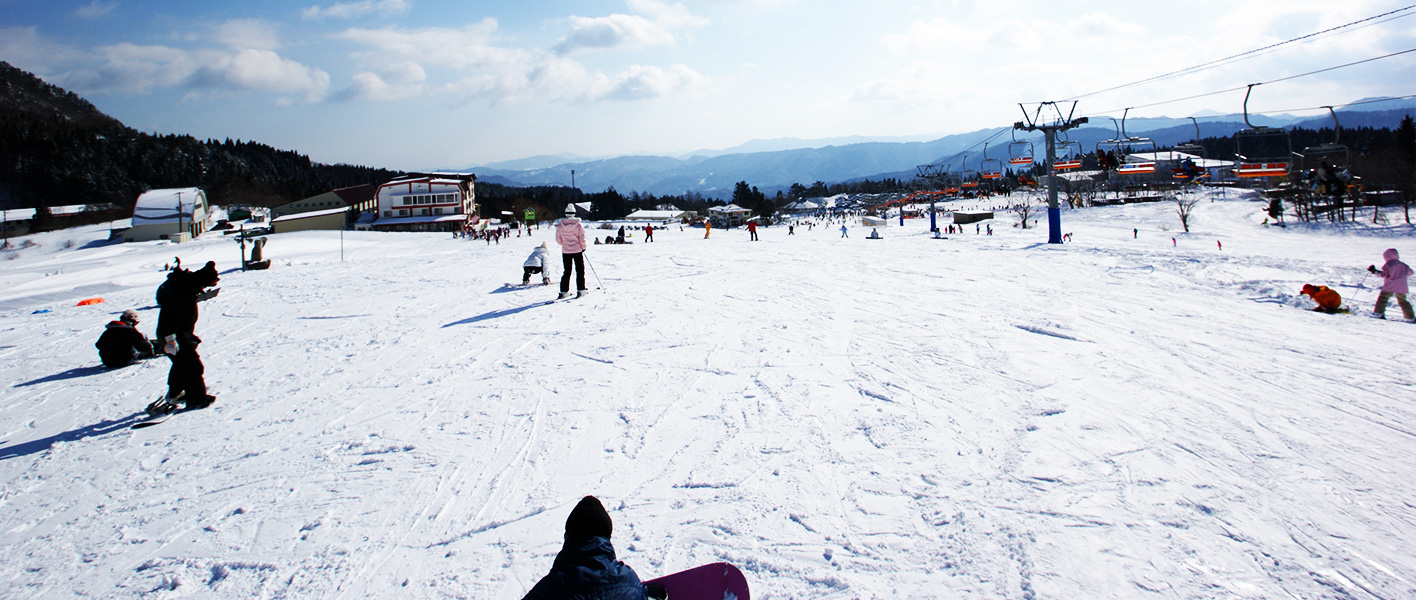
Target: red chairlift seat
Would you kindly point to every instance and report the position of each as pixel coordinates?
(1136, 168)
(1261, 169)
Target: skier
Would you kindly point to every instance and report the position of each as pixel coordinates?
(620, 237)
(586, 566)
(176, 323)
(649, 233)
(843, 231)
(537, 263)
(1327, 299)
(1395, 274)
(571, 236)
(122, 343)
(708, 227)
(752, 231)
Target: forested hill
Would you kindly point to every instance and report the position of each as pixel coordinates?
(58, 149)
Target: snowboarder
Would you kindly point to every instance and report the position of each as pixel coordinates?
(708, 228)
(586, 566)
(571, 236)
(538, 262)
(122, 343)
(752, 231)
(620, 237)
(176, 323)
(1328, 300)
(1395, 274)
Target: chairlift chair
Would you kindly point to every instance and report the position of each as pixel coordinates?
(1261, 151)
(1312, 156)
(1020, 151)
(990, 168)
(1123, 146)
(1072, 158)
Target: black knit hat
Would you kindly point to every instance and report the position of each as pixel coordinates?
(588, 519)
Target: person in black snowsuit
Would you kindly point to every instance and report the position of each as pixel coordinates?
(586, 566)
(122, 343)
(175, 328)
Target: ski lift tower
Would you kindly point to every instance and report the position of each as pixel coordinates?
(1050, 134)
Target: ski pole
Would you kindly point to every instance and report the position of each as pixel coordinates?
(598, 285)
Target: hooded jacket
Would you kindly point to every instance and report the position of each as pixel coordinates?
(120, 344)
(537, 259)
(586, 569)
(1395, 273)
(570, 235)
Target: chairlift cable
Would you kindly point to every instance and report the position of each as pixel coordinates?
(1243, 54)
(1225, 91)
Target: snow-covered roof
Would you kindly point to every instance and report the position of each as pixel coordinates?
(655, 215)
(161, 206)
(25, 214)
(731, 209)
(311, 214)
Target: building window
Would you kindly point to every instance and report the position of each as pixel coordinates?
(388, 213)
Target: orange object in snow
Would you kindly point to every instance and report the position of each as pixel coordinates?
(89, 301)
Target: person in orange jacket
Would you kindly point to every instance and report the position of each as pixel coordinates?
(1327, 299)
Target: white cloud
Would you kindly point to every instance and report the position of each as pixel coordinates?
(350, 10)
(640, 82)
(400, 82)
(262, 70)
(95, 10)
(244, 34)
(614, 31)
(668, 15)
(630, 31)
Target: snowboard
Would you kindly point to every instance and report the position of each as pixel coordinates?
(716, 581)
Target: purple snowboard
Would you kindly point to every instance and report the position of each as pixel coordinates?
(717, 581)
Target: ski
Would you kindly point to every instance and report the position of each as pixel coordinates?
(715, 581)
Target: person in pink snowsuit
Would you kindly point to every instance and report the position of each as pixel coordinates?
(570, 234)
(1395, 274)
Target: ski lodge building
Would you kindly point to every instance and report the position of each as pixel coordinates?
(426, 202)
(177, 214)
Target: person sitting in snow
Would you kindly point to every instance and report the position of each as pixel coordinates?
(586, 566)
(1327, 299)
(176, 325)
(122, 343)
(1395, 274)
(536, 263)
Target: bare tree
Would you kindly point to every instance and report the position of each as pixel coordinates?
(1184, 205)
(1023, 208)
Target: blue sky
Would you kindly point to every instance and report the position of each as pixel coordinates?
(417, 84)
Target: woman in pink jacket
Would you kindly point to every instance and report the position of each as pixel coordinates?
(570, 234)
(1395, 274)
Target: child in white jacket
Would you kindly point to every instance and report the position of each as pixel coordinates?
(536, 263)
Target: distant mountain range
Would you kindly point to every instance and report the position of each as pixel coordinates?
(773, 165)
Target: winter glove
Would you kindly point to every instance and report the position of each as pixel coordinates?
(657, 592)
(1372, 269)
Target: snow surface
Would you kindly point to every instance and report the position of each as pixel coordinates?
(974, 417)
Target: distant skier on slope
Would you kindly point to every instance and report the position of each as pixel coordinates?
(176, 323)
(586, 566)
(1395, 274)
(538, 262)
(1328, 300)
(571, 236)
(122, 343)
